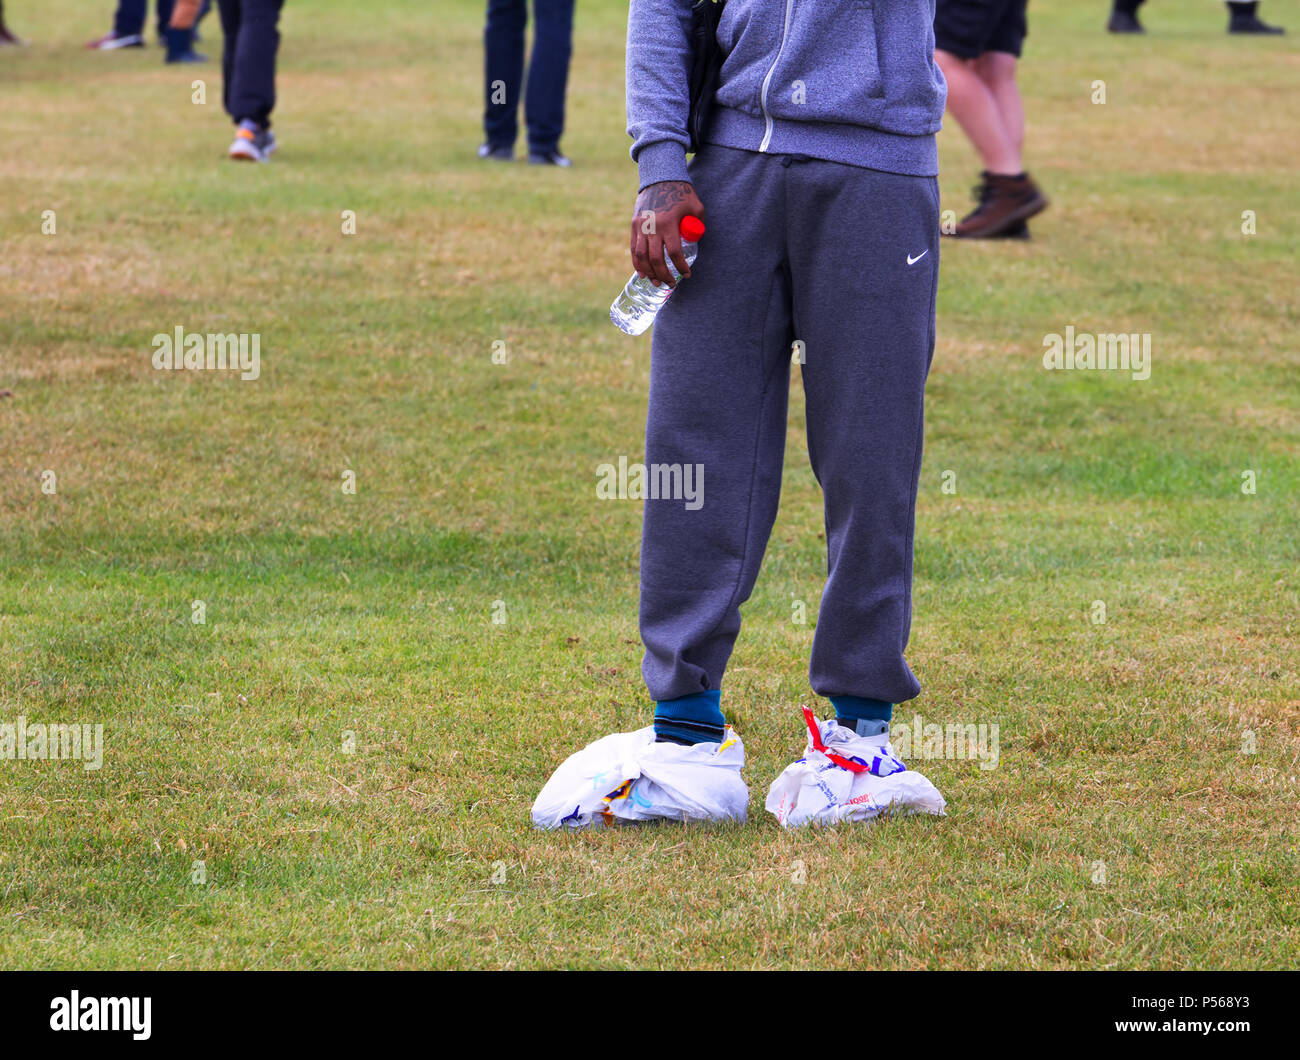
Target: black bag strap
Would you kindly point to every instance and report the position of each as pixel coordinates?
(706, 62)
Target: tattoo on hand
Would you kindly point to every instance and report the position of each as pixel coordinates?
(665, 195)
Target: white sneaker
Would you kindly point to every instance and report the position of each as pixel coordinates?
(252, 144)
(846, 777)
(112, 42)
(629, 777)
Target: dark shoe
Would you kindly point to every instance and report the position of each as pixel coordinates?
(548, 158)
(496, 154)
(1124, 23)
(180, 47)
(1252, 24)
(1004, 202)
(1019, 230)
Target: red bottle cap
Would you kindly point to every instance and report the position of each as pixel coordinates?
(691, 229)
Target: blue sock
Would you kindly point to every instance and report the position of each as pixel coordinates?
(866, 717)
(690, 719)
(178, 44)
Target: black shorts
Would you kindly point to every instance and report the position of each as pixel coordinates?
(969, 28)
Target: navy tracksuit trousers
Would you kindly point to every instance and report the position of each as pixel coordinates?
(130, 16)
(548, 71)
(844, 260)
(248, 59)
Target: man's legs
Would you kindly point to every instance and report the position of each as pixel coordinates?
(503, 47)
(719, 386)
(977, 110)
(1243, 19)
(548, 74)
(864, 265)
(248, 61)
(997, 72)
(181, 36)
(1123, 17)
(231, 13)
(163, 13)
(128, 20)
(976, 45)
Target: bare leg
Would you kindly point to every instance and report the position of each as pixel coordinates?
(977, 112)
(998, 72)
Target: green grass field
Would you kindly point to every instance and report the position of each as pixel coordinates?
(1144, 808)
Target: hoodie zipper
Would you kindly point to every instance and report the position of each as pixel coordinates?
(762, 99)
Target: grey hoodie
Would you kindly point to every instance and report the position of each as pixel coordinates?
(845, 80)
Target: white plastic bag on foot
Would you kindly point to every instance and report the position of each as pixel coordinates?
(846, 777)
(629, 777)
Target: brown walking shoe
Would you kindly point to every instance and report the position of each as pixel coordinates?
(1005, 202)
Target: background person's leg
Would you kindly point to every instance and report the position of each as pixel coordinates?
(976, 44)
(548, 74)
(977, 112)
(866, 317)
(128, 20)
(1243, 18)
(163, 13)
(251, 83)
(503, 49)
(962, 31)
(180, 33)
(1123, 17)
(230, 12)
(719, 384)
(7, 36)
(997, 70)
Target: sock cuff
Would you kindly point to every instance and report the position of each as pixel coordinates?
(858, 708)
(691, 719)
(702, 707)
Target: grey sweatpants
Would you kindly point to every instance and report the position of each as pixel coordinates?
(846, 261)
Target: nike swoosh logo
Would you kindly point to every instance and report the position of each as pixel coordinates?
(913, 260)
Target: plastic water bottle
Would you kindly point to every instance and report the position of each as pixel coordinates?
(634, 310)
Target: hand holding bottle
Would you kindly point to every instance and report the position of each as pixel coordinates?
(635, 308)
(656, 227)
